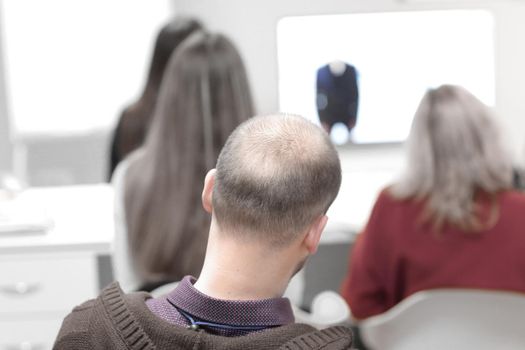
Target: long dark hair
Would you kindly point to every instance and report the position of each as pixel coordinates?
(135, 119)
(204, 95)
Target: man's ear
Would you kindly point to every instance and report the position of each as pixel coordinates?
(313, 236)
(207, 191)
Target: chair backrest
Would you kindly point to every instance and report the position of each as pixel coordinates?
(450, 319)
(164, 289)
(328, 309)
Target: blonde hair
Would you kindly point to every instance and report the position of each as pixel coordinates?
(454, 151)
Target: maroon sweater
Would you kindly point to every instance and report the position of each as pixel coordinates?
(397, 256)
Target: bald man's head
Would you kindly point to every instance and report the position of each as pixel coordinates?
(275, 175)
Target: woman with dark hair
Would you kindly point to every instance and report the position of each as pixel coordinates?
(204, 95)
(135, 119)
(451, 221)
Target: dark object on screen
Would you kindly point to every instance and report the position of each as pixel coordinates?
(337, 95)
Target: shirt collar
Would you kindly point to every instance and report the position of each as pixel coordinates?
(264, 312)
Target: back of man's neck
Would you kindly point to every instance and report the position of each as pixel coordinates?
(236, 287)
(234, 271)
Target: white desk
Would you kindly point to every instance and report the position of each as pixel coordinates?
(83, 221)
(43, 276)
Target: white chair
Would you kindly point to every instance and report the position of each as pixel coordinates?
(164, 289)
(328, 309)
(450, 319)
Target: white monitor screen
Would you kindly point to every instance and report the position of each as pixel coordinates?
(366, 73)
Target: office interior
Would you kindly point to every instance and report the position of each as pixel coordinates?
(60, 158)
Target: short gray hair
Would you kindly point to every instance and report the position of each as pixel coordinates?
(454, 151)
(275, 175)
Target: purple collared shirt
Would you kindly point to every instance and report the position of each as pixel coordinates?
(186, 305)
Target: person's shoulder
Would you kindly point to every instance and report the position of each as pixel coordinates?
(84, 322)
(389, 208)
(130, 111)
(75, 327)
(512, 201)
(92, 325)
(385, 193)
(514, 196)
(386, 197)
(336, 338)
(124, 165)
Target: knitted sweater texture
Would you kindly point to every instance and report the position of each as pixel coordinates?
(123, 321)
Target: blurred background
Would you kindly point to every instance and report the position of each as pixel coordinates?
(68, 69)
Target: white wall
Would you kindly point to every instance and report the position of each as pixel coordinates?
(96, 54)
(5, 144)
(252, 24)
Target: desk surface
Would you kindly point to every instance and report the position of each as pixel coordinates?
(82, 217)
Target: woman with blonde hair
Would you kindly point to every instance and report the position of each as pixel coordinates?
(452, 220)
(162, 230)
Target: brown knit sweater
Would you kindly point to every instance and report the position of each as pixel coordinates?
(123, 321)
